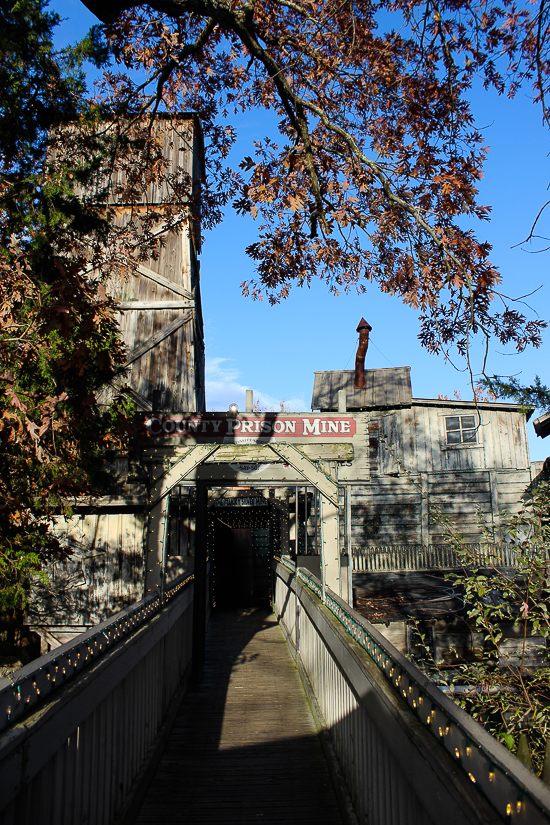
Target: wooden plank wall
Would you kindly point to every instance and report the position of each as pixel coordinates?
(387, 511)
(180, 141)
(384, 388)
(413, 474)
(174, 366)
(464, 499)
(417, 437)
(106, 569)
(406, 510)
(103, 574)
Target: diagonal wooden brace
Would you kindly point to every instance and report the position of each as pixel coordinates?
(324, 482)
(159, 503)
(193, 457)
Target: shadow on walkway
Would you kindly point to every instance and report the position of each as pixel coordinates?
(244, 747)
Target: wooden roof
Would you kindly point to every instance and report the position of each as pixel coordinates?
(542, 425)
(384, 388)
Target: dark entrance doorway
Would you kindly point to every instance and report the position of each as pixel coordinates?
(242, 545)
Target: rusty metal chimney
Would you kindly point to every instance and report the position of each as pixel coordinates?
(363, 329)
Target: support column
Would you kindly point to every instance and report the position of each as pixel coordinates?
(495, 507)
(155, 565)
(424, 510)
(330, 550)
(347, 529)
(200, 583)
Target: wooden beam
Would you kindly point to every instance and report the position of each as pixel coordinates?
(194, 456)
(324, 482)
(165, 282)
(137, 397)
(151, 342)
(261, 453)
(124, 306)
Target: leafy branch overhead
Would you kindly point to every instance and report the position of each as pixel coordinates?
(375, 174)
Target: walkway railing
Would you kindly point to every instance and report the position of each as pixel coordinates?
(411, 557)
(408, 753)
(83, 723)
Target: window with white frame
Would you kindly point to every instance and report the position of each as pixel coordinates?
(461, 429)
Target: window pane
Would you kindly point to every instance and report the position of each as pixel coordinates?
(468, 422)
(454, 437)
(468, 436)
(453, 423)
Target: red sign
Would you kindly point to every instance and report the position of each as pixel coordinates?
(256, 428)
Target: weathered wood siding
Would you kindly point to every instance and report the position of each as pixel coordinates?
(416, 439)
(386, 511)
(104, 573)
(462, 498)
(174, 366)
(165, 343)
(179, 141)
(384, 388)
(165, 365)
(410, 477)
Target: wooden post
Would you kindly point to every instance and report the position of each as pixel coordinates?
(342, 401)
(424, 511)
(330, 550)
(199, 599)
(156, 546)
(347, 523)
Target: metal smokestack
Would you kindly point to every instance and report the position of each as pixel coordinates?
(363, 329)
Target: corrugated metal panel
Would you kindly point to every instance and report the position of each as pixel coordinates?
(384, 388)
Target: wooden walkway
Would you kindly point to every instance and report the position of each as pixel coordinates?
(244, 747)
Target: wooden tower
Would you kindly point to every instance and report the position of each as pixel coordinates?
(161, 319)
(161, 325)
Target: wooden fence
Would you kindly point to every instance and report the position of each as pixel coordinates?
(86, 751)
(407, 753)
(411, 557)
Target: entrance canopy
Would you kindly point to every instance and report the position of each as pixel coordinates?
(214, 449)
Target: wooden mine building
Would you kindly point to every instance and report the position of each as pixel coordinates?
(353, 484)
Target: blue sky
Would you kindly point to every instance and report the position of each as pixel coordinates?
(274, 350)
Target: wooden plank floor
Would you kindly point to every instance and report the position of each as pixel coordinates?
(244, 747)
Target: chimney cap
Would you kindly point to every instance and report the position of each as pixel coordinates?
(363, 325)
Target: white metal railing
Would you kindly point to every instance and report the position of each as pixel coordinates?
(82, 723)
(410, 557)
(408, 753)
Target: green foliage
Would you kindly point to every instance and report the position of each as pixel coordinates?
(503, 688)
(58, 334)
(535, 395)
